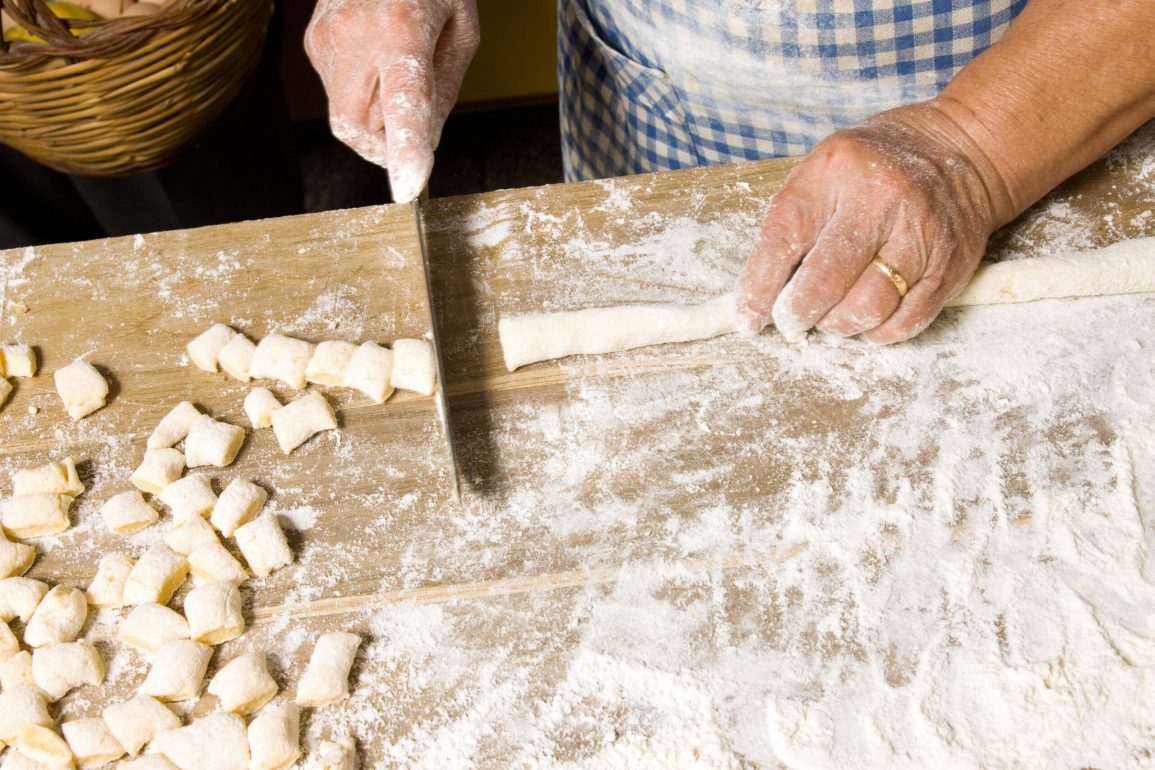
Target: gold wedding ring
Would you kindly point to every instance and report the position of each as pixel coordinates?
(894, 276)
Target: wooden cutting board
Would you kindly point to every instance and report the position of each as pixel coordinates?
(564, 495)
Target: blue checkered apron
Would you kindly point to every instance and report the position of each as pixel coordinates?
(648, 85)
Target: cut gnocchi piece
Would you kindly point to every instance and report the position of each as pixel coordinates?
(326, 678)
(9, 644)
(174, 426)
(107, 588)
(295, 423)
(56, 478)
(58, 668)
(127, 513)
(19, 597)
(35, 515)
(239, 502)
(15, 558)
(81, 387)
(190, 497)
(413, 366)
(282, 358)
(243, 684)
(236, 357)
(44, 746)
(214, 614)
(17, 671)
(212, 442)
(340, 754)
(151, 626)
(19, 360)
(91, 742)
(58, 618)
(189, 534)
(207, 346)
(263, 544)
(260, 405)
(136, 722)
(155, 577)
(158, 469)
(212, 562)
(21, 706)
(148, 762)
(329, 362)
(275, 738)
(178, 670)
(215, 742)
(370, 371)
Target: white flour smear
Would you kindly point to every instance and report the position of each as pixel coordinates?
(737, 553)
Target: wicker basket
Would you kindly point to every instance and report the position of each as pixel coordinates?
(129, 94)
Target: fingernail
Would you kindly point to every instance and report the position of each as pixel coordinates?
(785, 319)
(407, 180)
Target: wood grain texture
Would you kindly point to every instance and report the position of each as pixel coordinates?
(516, 564)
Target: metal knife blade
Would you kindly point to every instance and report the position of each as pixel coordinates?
(441, 400)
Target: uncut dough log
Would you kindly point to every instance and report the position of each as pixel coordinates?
(1126, 267)
(527, 339)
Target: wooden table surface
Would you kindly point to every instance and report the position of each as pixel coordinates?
(669, 468)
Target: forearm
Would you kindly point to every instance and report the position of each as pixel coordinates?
(1068, 81)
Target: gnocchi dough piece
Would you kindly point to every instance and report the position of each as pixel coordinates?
(91, 742)
(82, 389)
(329, 362)
(19, 360)
(370, 371)
(212, 561)
(178, 669)
(263, 544)
(148, 762)
(260, 405)
(58, 668)
(189, 534)
(212, 442)
(44, 746)
(17, 671)
(336, 755)
(413, 366)
(5, 390)
(244, 684)
(295, 423)
(282, 358)
(21, 706)
(151, 626)
(173, 427)
(213, 611)
(107, 588)
(135, 722)
(190, 497)
(127, 513)
(58, 478)
(14, 760)
(275, 738)
(15, 558)
(35, 515)
(236, 356)
(239, 502)
(326, 678)
(58, 618)
(9, 644)
(204, 350)
(158, 469)
(19, 597)
(155, 577)
(214, 742)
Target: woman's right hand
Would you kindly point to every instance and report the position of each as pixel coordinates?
(392, 70)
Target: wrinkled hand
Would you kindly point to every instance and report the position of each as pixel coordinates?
(392, 70)
(907, 186)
